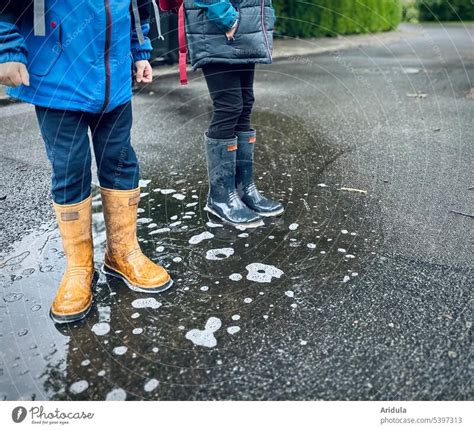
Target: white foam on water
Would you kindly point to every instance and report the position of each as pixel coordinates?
(322, 186)
(235, 277)
(168, 191)
(293, 226)
(213, 224)
(144, 220)
(205, 337)
(160, 230)
(350, 256)
(137, 330)
(191, 205)
(160, 248)
(233, 329)
(101, 329)
(346, 279)
(243, 235)
(247, 300)
(289, 293)
(303, 343)
(198, 238)
(204, 288)
(344, 231)
(179, 196)
(120, 350)
(235, 317)
(341, 250)
(176, 223)
(294, 305)
(135, 315)
(265, 317)
(155, 349)
(85, 363)
(151, 385)
(177, 259)
(149, 302)
(79, 387)
(262, 273)
(101, 373)
(311, 245)
(219, 253)
(117, 394)
(152, 225)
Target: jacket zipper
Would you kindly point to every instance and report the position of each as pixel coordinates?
(267, 45)
(108, 37)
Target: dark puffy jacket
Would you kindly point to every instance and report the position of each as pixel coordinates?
(253, 40)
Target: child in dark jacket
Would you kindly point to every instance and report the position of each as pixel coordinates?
(226, 43)
(72, 60)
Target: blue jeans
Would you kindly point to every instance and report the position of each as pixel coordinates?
(65, 134)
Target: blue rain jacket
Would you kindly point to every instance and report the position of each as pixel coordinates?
(84, 60)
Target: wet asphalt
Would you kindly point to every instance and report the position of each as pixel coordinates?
(353, 294)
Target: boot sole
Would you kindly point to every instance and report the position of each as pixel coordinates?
(67, 319)
(274, 213)
(153, 290)
(253, 224)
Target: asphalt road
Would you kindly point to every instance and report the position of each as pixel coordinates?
(370, 291)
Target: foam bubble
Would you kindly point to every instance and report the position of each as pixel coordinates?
(117, 394)
(198, 238)
(233, 329)
(235, 277)
(79, 387)
(149, 302)
(101, 329)
(262, 273)
(120, 350)
(219, 253)
(151, 385)
(205, 337)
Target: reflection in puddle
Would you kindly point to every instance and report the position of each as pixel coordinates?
(132, 346)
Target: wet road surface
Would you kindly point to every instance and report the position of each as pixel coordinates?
(362, 290)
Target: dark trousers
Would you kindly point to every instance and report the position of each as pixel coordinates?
(65, 134)
(231, 90)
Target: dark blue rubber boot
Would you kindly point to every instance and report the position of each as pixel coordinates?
(245, 184)
(223, 200)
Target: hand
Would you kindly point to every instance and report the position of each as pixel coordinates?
(231, 32)
(144, 72)
(14, 74)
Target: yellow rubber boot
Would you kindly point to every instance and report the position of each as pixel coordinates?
(74, 297)
(123, 257)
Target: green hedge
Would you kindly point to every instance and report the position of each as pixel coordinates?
(315, 18)
(446, 10)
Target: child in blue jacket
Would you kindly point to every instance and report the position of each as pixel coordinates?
(72, 59)
(226, 38)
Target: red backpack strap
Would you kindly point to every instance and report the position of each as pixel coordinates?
(183, 50)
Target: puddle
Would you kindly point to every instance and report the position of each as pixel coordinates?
(132, 346)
